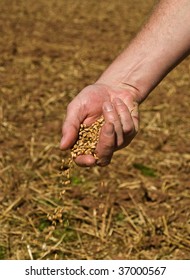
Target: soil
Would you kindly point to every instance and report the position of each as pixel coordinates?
(136, 208)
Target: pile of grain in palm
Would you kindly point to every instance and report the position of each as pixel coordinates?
(85, 145)
(87, 140)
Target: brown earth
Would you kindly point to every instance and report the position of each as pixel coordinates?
(136, 208)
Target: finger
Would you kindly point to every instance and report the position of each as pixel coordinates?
(104, 150)
(135, 116)
(70, 132)
(125, 116)
(106, 144)
(111, 116)
(85, 160)
(70, 127)
(134, 111)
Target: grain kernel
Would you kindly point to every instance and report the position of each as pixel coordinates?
(88, 139)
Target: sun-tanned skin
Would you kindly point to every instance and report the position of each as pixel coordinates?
(161, 44)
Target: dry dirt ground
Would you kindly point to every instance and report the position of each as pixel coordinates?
(136, 208)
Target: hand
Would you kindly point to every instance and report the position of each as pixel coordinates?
(119, 107)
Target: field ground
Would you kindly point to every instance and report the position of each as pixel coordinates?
(136, 208)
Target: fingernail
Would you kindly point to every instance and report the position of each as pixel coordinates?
(108, 106)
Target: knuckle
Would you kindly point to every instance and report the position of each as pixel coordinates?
(108, 146)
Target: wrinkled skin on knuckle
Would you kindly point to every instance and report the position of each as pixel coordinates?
(108, 147)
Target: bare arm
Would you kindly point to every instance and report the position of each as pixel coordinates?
(161, 44)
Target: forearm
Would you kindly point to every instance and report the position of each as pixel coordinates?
(161, 44)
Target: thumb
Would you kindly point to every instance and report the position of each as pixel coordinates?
(69, 137)
(70, 128)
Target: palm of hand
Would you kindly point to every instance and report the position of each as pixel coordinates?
(116, 104)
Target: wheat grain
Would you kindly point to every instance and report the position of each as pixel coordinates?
(87, 140)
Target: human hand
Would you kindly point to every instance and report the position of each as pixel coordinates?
(119, 107)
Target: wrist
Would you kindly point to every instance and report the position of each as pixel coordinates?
(133, 76)
(118, 87)
(120, 90)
